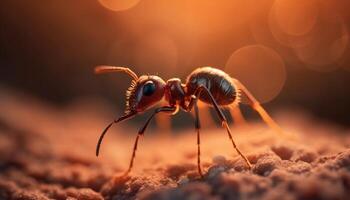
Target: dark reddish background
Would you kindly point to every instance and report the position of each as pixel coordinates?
(49, 48)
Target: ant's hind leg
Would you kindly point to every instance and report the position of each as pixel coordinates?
(168, 109)
(255, 104)
(198, 126)
(223, 120)
(224, 123)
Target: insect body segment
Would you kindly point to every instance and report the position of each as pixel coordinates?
(146, 92)
(216, 81)
(207, 84)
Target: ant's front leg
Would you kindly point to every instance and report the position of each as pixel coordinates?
(165, 109)
(122, 118)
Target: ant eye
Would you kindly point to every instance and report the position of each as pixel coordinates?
(148, 88)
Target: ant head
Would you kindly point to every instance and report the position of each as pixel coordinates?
(143, 93)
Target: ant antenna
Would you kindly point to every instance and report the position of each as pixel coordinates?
(127, 116)
(108, 69)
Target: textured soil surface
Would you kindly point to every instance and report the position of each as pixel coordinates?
(48, 153)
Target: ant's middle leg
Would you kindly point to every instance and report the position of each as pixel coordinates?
(165, 109)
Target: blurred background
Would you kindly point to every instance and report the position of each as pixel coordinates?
(292, 54)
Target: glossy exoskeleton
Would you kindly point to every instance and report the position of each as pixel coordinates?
(207, 84)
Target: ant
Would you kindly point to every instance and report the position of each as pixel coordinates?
(210, 85)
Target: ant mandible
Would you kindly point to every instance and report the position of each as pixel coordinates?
(207, 84)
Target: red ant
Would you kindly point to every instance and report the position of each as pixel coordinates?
(210, 85)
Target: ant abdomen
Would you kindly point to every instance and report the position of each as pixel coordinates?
(216, 81)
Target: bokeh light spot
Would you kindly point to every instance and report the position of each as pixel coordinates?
(327, 46)
(284, 32)
(296, 17)
(118, 5)
(260, 69)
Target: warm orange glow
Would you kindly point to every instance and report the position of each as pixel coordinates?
(237, 116)
(260, 69)
(157, 51)
(269, 121)
(326, 47)
(119, 5)
(286, 34)
(296, 17)
(163, 124)
(173, 38)
(298, 143)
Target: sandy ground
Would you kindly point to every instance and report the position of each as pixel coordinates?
(48, 153)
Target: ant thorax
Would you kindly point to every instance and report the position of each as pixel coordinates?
(175, 92)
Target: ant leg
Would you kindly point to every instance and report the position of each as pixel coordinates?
(133, 155)
(255, 104)
(167, 109)
(122, 118)
(222, 118)
(142, 130)
(225, 124)
(198, 126)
